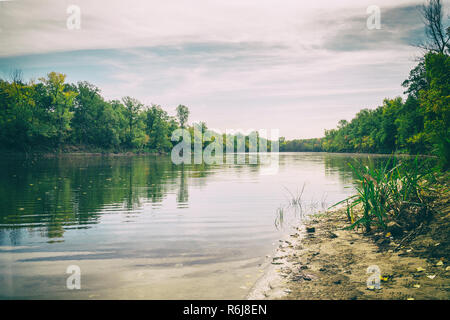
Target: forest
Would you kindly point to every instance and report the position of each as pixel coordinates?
(51, 115)
(416, 125)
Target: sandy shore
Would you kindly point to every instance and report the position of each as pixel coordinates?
(322, 261)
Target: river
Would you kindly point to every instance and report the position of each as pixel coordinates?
(140, 227)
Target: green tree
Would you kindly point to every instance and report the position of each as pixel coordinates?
(135, 136)
(436, 104)
(60, 104)
(159, 127)
(97, 122)
(416, 80)
(182, 115)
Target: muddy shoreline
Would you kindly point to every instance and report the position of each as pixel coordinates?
(323, 261)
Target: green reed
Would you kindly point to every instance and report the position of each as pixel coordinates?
(395, 191)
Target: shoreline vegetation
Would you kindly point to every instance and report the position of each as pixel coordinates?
(95, 152)
(398, 221)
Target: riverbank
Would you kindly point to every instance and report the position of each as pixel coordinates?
(73, 152)
(321, 260)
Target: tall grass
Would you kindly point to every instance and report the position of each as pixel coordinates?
(296, 199)
(395, 191)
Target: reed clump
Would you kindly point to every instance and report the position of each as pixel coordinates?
(395, 196)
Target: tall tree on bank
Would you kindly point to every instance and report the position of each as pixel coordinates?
(182, 115)
(435, 102)
(60, 101)
(429, 81)
(136, 136)
(159, 126)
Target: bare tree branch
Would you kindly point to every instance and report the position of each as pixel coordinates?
(437, 35)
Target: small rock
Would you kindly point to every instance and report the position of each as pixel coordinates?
(310, 229)
(307, 277)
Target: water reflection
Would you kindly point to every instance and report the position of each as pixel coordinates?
(58, 194)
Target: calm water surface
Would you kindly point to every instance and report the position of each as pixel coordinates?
(141, 227)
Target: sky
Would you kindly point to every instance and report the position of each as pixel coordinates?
(297, 66)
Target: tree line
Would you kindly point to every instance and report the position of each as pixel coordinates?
(415, 125)
(418, 124)
(52, 115)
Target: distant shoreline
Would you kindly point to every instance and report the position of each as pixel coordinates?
(65, 154)
(106, 153)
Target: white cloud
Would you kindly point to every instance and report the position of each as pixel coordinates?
(40, 26)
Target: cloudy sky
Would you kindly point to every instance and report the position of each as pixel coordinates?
(299, 66)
